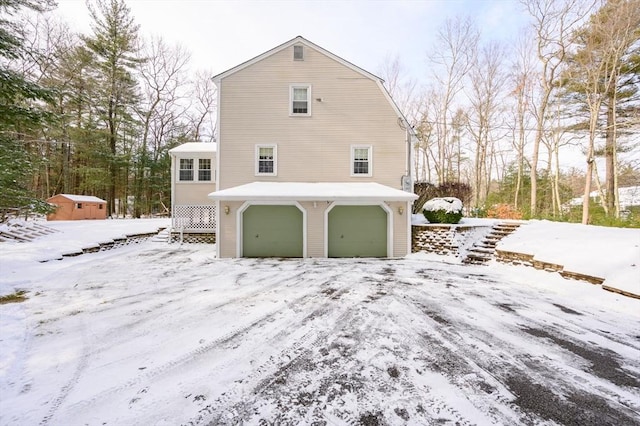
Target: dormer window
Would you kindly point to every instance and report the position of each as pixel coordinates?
(298, 53)
(300, 100)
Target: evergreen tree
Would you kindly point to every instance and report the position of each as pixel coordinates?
(603, 76)
(114, 44)
(21, 112)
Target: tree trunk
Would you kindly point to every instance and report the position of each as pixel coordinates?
(610, 188)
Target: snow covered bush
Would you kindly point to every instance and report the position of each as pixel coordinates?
(443, 210)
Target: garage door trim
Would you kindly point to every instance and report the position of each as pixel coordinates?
(382, 205)
(247, 204)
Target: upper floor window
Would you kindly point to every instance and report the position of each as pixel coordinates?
(361, 156)
(298, 53)
(186, 169)
(204, 169)
(195, 170)
(300, 99)
(266, 160)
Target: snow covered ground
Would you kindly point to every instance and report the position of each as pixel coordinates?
(166, 334)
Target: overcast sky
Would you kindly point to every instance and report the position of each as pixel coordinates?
(221, 34)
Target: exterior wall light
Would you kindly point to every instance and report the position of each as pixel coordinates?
(226, 209)
(400, 210)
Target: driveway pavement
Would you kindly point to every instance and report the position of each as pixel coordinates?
(164, 335)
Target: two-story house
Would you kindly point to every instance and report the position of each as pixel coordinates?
(313, 156)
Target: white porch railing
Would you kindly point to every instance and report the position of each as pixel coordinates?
(194, 218)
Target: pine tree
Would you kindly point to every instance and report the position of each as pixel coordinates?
(114, 44)
(21, 112)
(603, 75)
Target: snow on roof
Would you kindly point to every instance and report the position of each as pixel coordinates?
(194, 147)
(83, 198)
(307, 191)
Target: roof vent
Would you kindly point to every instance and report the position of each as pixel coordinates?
(298, 53)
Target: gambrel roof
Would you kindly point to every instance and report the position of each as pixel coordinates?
(299, 40)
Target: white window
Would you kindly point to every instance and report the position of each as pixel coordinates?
(186, 169)
(298, 53)
(361, 160)
(300, 100)
(266, 160)
(189, 173)
(204, 169)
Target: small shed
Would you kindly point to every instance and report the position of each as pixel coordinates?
(77, 207)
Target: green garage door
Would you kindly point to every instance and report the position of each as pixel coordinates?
(357, 231)
(272, 231)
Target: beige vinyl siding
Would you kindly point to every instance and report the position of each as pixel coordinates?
(354, 111)
(191, 193)
(400, 228)
(315, 228)
(227, 238)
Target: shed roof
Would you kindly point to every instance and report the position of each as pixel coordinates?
(312, 191)
(195, 147)
(81, 198)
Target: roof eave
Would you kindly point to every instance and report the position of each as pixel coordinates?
(299, 39)
(408, 197)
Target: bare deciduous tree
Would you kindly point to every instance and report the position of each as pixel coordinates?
(487, 81)
(202, 117)
(554, 22)
(452, 56)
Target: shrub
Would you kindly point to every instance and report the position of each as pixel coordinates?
(504, 211)
(443, 210)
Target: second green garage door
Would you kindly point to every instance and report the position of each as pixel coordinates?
(357, 231)
(272, 231)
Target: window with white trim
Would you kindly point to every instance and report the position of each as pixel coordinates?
(300, 100)
(195, 170)
(298, 53)
(361, 160)
(186, 169)
(266, 160)
(204, 169)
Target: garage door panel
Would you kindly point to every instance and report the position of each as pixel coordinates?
(357, 231)
(272, 231)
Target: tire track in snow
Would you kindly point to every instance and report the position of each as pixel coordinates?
(75, 378)
(549, 374)
(193, 354)
(226, 408)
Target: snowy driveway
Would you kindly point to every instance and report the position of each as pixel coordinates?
(160, 334)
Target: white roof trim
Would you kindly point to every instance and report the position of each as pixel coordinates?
(295, 41)
(83, 198)
(307, 191)
(194, 147)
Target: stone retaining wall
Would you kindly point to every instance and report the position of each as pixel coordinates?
(528, 260)
(108, 245)
(438, 239)
(196, 237)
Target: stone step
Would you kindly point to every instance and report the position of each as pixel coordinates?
(498, 232)
(478, 249)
